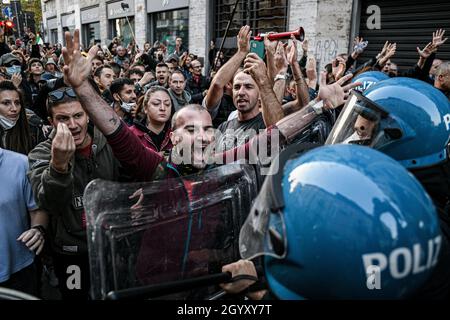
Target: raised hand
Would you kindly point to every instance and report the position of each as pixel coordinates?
(63, 148)
(271, 46)
(427, 51)
(16, 79)
(256, 67)
(292, 53)
(305, 47)
(383, 51)
(358, 47)
(311, 71)
(244, 39)
(280, 59)
(389, 52)
(334, 95)
(437, 38)
(148, 76)
(338, 67)
(77, 68)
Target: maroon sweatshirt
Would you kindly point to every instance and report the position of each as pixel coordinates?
(141, 163)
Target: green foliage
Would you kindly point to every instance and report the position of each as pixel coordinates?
(35, 7)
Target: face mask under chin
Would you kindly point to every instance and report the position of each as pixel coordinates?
(6, 123)
(127, 106)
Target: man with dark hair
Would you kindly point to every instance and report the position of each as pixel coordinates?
(116, 68)
(35, 71)
(103, 77)
(96, 63)
(60, 169)
(162, 76)
(180, 97)
(124, 96)
(172, 62)
(135, 75)
(192, 134)
(197, 84)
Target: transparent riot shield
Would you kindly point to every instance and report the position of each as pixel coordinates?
(142, 234)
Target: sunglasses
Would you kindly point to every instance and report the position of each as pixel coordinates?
(57, 95)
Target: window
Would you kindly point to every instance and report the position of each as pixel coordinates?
(169, 25)
(121, 29)
(261, 16)
(91, 33)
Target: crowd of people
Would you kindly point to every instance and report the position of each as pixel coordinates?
(118, 113)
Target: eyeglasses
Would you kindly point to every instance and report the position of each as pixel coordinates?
(59, 94)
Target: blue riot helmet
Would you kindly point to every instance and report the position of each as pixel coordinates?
(404, 118)
(342, 222)
(368, 79)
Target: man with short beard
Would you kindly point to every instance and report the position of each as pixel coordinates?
(249, 121)
(103, 77)
(122, 91)
(193, 133)
(60, 169)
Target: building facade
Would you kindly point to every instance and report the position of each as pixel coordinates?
(329, 24)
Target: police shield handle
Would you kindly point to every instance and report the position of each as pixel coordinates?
(63, 148)
(158, 290)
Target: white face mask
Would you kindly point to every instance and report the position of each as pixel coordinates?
(127, 106)
(7, 123)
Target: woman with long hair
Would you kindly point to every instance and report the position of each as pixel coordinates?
(154, 129)
(15, 132)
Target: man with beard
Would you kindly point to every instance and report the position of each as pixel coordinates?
(193, 133)
(122, 91)
(103, 77)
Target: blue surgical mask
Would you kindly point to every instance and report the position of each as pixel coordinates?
(13, 70)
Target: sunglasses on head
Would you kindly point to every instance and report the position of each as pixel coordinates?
(59, 94)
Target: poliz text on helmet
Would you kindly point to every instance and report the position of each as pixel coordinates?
(447, 121)
(402, 261)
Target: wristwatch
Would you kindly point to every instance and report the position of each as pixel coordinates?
(280, 77)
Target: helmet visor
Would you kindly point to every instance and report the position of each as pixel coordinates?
(264, 231)
(360, 122)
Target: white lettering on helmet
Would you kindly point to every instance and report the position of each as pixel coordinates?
(447, 121)
(404, 261)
